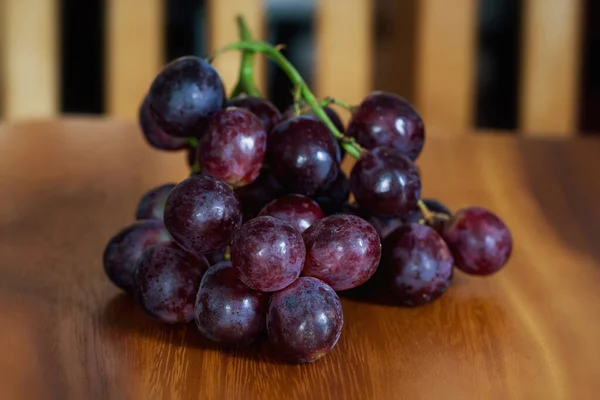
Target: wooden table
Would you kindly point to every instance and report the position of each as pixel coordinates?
(532, 331)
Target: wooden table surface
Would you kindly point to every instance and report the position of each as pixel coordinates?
(530, 332)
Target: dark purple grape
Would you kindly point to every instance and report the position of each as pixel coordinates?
(227, 311)
(298, 210)
(385, 182)
(202, 213)
(303, 155)
(333, 197)
(441, 215)
(341, 250)
(353, 209)
(191, 156)
(385, 225)
(126, 247)
(153, 133)
(384, 119)
(184, 94)
(215, 256)
(268, 114)
(166, 282)
(416, 264)
(259, 193)
(268, 252)
(305, 320)
(152, 203)
(479, 240)
(233, 147)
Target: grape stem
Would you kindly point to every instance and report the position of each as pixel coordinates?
(331, 100)
(348, 143)
(193, 142)
(245, 82)
(427, 213)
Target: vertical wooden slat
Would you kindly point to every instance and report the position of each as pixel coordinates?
(344, 43)
(30, 58)
(134, 52)
(550, 67)
(223, 30)
(446, 45)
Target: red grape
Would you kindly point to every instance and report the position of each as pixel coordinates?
(298, 210)
(385, 182)
(233, 147)
(341, 250)
(268, 252)
(167, 280)
(303, 155)
(417, 264)
(479, 240)
(384, 119)
(259, 193)
(305, 320)
(268, 114)
(202, 213)
(227, 311)
(384, 225)
(184, 94)
(153, 133)
(152, 203)
(125, 248)
(335, 194)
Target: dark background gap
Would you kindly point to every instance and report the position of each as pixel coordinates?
(589, 121)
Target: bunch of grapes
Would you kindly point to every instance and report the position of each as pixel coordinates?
(262, 234)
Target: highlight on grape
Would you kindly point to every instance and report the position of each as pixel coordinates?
(262, 234)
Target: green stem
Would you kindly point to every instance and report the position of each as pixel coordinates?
(246, 82)
(348, 143)
(330, 100)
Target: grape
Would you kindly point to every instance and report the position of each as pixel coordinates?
(166, 282)
(341, 250)
(184, 94)
(298, 210)
(303, 154)
(385, 225)
(384, 119)
(479, 240)
(385, 182)
(259, 193)
(417, 264)
(268, 252)
(125, 248)
(441, 214)
(214, 257)
(152, 203)
(233, 147)
(335, 194)
(202, 213)
(154, 135)
(227, 311)
(268, 114)
(305, 320)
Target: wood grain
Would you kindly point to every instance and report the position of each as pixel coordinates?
(222, 30)
(551, 66)
(134, 53)
(445, 80)
(30, 47)
(529, 332)
(344, 50)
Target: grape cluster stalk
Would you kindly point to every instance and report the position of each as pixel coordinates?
(262, 235)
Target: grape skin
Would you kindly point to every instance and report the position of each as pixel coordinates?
(258, 194)
(417, 264)
(385, 182)
(154, 134)
(268, 114)
(341, 250)
(305, 320)
(202, 213)
(234, 146)
(334, 195)
(125, 248)
(479, 240)
(227, 311)
(268, 252)
(300, 211)
(152, 203)
(166, 282)
(184, 94)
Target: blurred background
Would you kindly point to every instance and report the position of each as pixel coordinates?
(530, 66)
